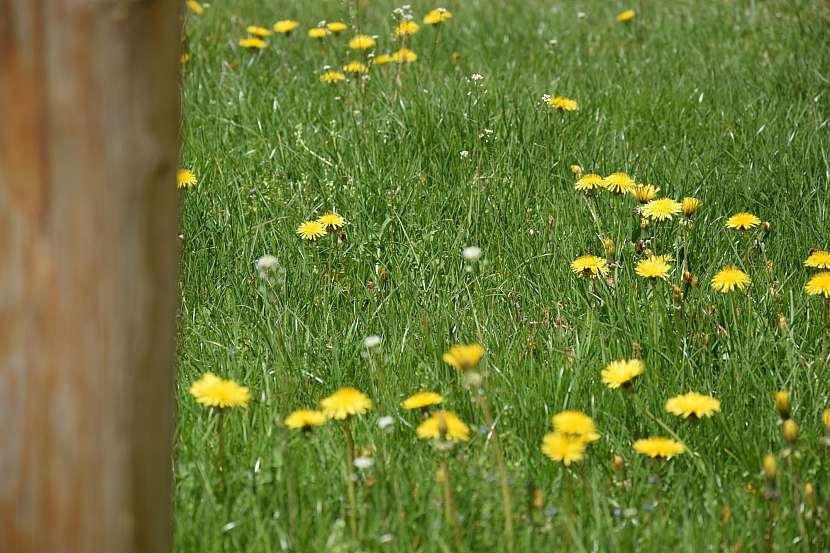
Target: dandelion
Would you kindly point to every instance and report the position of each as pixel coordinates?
(589, 183)
(267, 266)
(693, 405)
(332, 77)
(404, 55)
(185, 178)
(255, 30)
(382, 59)
(356, 68)
(589, 266)
(331, 220)
(195, 7)
(577, 424)
(790, 431)
(730, 278)
(659, 448)
(654, 267)
(625, 16)
(576, 170)
(560, 102)
(437, 16)
(406, 28)
(819, 285)
(564, 448)
(212, 391)
(690, 206)
(622, 373)
(422, 400)
(336, 27)
(318, 33)
(464, 357)
(645, 192)
(782, 403)
(372, 343)
(344, 403)
(443, 426)
(362, 42)
(305, 419)
(743, 221)
(661, 210)
(253, 43)
(619, 183)
(818, 259)
(185, 57)
(471, 253)
(285, 26)
(311, 230)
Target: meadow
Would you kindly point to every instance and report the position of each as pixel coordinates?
(456, 143)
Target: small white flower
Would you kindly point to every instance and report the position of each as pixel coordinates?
(471, 253)
(386, 538)
(363, 462)
(464, 154)
(477, 76)
(386, 422)
(371, 343)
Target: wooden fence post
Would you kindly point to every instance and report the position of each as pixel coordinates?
(89, 119)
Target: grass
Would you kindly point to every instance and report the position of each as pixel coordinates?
(726, 101)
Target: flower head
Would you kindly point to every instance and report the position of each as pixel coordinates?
(336, 27)
(589, 266)
(818, 259)
(622, 373)
(362, 42)
(464, 357)
(437, 16)
(255, 30)
(445, 426)
(382, 59)
(730, 278)
(576, 170)
(332, 77)
(626, 16)
(311, 230)
(253, 43)
(693, 405)
(212, 391)
(619, 183)
(560, 102)
(690, 206)
(344, 403)
(782, 404)
(421, 400)
(404, 55)
(661, 210)
(406, 28)
(655, 266)
(565, 448)
(589, 183)
(663, 448)
(285, 26)
(304, 419)
(318, 32)
(819, 285)
(743, 221)
(645, 192)
(575, 423)
(356, 68)
(185, 178)
(331, 220)
(195, 7)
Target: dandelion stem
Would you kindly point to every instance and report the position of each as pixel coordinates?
(449, 505)
(350, 479)
(799, 517)
(769, 539)
(507, 503)
(220, 451)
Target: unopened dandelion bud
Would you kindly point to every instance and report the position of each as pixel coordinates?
(618, 464)
(725, 514)
(782, 321)
(643, 223)
(790, 430)
(610, 247)
(770, 467)
(690, 206)
(825, 420)
(782, 403)
(767, 227)
(538, 499)
(576, 170)
(678, 293)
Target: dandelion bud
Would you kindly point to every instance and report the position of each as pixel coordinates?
(538, 498)
(643, 223)
(782, 403)
(618, 464)
(790, 430)
(782, 321)
(725, 514)
(610, 247)
(677, 292)
(767, 228)
(770, 466)
(690, 278)
(825, 420)
(576, 170)
(770, 264)
(637, 349)
(690, 206)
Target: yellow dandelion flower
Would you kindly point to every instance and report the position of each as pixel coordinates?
(212, 391)
(382, 59)
(285, 26)
(690, 205)
(252, 43)
(782, 403)
(443, 425)
(575, 423)
(437, 16)
(195, 7)
(661, 210)
(344, 403)
(304, 419)
(619, 183)
(819, 285)
(645, 193)
(406, 28)
(589, 183)
(421, 400)
(331, 220)
(622, 373)
(693, 405)
(362, 42)
(743, 221)
(589, 266)
(404, 55)
(730, 278)
(256, 30)
(336, 27)
(318, 32)
(356, 68)
(626, 16)
(311, 230)
(332, 77)
(663, 448)
(564, 448)
(655, 266)
(185, 178)
(818, 259)
(185, 57)
(561, 103)
(464, 357)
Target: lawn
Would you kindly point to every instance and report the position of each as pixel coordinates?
(726, 101)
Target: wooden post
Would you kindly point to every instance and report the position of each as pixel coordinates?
(89, 118)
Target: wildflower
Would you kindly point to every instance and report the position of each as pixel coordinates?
(655, 266)
(382, 59)
(331, 220)
(421, 400)
(576, 170)
(318, 32)
(404, 55)
(185, 178)
(336, 27)
(464, 357)
(589, 266)
(267, 265)
(589, 183)
(782, 403)
(285, 26)
(311, 230)
(790, 431)
(743, 221)
(363, 462)
(622, 373)
(185, 57)
(564, 448)
(656, 447)
(195, 7)
(730, 278)
(356, 68)
(693, 405)
(661, 210)
(609, 246)
(252, 43)
(386, 423)
(437, 16)
(372, 343)
(626, 16)
(332, 77)
(560, 102)
(825, 419)
(819, 285)
(645, 192)
(818, 259)
(362, 42)
(345, 402)
(212, 391)
(575, 423)
(619, 183)
(406, 28)
(690, 205)
(304, 419)
(255, 30)
(471, 253)
(770, 466)
(445, 426)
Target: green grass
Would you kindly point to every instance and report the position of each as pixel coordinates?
(724, 100)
